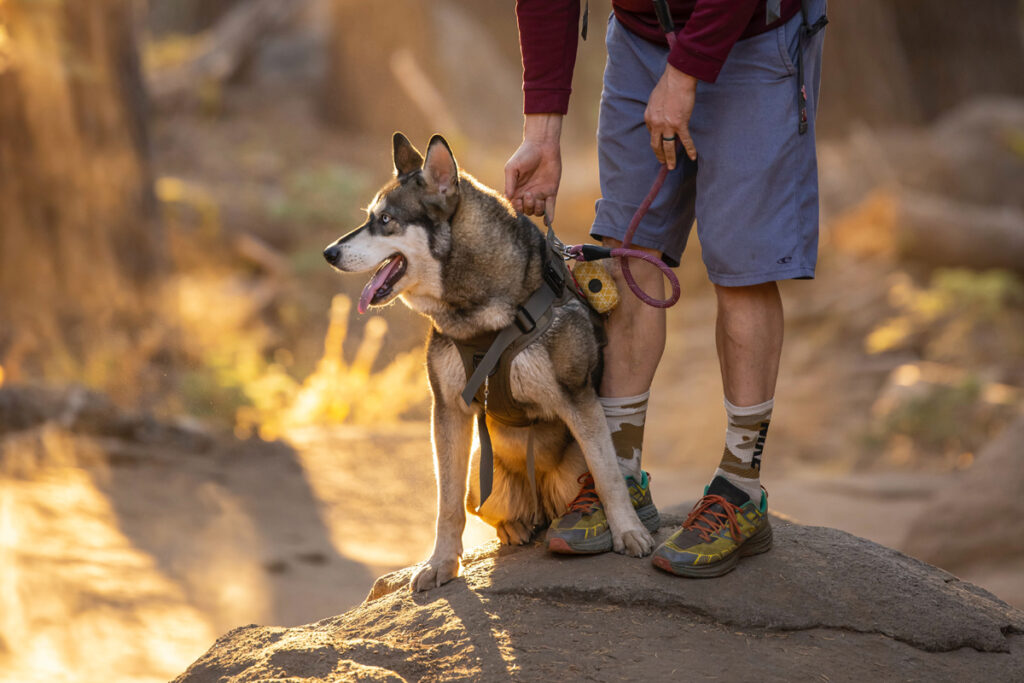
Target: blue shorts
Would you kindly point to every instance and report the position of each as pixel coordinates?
(754, 187)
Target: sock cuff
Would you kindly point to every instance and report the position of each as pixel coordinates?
(749, 411)
(624, 405)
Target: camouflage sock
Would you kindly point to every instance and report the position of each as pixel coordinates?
(626, 416)
(744, 441)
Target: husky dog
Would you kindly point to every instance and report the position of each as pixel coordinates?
(457, 252)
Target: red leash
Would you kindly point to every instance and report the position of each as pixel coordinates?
(624, 253)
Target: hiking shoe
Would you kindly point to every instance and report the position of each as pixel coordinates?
(584, 530)
(723, 526)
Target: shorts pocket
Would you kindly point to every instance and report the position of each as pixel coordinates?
(789, 44)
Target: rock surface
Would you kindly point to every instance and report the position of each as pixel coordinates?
(823, 604)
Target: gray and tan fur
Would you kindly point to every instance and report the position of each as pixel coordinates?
(469, 262)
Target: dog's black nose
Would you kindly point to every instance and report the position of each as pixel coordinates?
(331, 253)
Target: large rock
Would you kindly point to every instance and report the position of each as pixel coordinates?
(821, 605)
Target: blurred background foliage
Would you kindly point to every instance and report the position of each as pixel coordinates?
(172, 170)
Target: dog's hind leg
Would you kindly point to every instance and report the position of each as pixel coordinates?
(511, 508)
(560, 380)
(560, 484)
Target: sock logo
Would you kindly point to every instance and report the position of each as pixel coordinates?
(755, 459)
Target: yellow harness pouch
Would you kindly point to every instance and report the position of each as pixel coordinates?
(597, 284)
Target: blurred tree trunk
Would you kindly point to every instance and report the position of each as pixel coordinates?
(907, 61)
(956, 50)
(226, 51)
(362, 92)
(78, 243)
(165, 17)
(424, 67)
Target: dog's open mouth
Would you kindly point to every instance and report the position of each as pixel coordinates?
(383, 281)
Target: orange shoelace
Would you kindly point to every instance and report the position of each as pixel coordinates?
(587, 497)
(707, 522)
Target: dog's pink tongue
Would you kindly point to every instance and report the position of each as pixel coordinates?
(376, 282)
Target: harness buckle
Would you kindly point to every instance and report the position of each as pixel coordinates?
(524, 321)
(554, 279)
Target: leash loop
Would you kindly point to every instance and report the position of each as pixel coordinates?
(593, 252)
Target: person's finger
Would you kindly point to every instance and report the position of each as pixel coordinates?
(511, 176)
(549, 208)
(669, 146)
(517, 204)
(659, 149)
(529, 204)
(687, 142)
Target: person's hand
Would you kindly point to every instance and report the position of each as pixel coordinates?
(532, 174)
(668, 115)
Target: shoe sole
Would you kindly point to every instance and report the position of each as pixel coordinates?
(755, 545)
(602, 543)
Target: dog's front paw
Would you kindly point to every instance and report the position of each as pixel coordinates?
(433, 573)
(635, 542)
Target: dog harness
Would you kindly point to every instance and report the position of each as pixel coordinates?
(488, 358)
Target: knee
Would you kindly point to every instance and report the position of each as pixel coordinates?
(766, 291)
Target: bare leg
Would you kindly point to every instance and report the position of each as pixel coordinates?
(748, 334)
(636, 331)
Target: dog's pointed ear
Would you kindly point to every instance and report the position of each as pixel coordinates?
(407, 157)
(439, 169)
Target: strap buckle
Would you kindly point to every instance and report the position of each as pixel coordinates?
(554, 278)
(524, 321)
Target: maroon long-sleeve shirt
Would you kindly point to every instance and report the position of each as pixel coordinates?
(705, 32)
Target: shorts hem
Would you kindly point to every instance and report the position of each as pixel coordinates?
(749, 279)
(599, 231)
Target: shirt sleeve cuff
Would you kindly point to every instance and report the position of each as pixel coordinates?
(546, 101)
(701, 67)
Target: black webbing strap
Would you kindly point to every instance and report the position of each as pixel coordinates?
(806, 31)
(664, 16)
(486, 459)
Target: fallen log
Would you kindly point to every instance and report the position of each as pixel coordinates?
(229, 46)
(932, 229)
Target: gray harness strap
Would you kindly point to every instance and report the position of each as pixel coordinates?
(525, 323)
(531, 320)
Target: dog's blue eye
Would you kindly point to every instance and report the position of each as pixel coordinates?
(385, 218)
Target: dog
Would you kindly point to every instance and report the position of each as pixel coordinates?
(457, 252)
